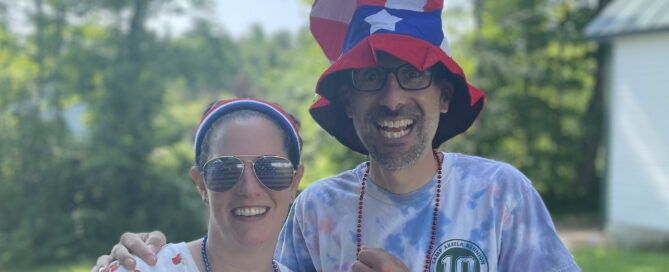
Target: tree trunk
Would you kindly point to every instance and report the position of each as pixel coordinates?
(587, 176)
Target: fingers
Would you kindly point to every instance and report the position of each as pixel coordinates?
(133, 243)
(145, 245)
(377, 259)
(358, 266)
(156, 240)
(102, 263)
(371, 257)
(120, 252)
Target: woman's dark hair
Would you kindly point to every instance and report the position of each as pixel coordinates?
(244, 114)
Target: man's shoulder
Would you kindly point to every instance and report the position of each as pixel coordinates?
(485, 169)
(471, 161)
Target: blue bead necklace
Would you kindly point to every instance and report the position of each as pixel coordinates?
(206, 261)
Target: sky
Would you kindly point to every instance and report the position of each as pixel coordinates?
(233, 16)
(236, 17)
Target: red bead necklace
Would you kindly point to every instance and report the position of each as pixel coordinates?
(434, 218)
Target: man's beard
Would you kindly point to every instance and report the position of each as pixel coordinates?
(395, 159)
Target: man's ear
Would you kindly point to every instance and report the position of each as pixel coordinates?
(447, 91)
(345, 98)
(199, 182)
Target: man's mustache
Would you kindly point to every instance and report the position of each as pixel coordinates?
(404, 111)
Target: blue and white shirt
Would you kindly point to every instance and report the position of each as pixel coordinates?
(490, 219)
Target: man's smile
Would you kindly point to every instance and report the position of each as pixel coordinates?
(393, 129)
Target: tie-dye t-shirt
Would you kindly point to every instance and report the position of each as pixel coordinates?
(490, 219)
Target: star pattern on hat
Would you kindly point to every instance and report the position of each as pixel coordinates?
(382, 20)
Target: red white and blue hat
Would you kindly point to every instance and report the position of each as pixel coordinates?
(351, 33)
(270, 109)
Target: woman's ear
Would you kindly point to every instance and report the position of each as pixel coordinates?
(296, 182)
(199, 182)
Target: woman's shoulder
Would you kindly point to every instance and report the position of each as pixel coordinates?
(171, 257)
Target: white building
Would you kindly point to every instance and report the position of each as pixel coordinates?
(636, 33)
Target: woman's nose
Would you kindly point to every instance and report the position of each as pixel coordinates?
(248, 184)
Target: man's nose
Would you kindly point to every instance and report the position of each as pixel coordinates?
(392, 95)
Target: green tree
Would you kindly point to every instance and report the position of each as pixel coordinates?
(538, 74)
(71, 195)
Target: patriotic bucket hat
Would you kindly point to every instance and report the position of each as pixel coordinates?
(351, 33)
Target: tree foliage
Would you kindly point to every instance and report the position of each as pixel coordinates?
(71, 192)
(542, 114)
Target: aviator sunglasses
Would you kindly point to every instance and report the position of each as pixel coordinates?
(222, 173)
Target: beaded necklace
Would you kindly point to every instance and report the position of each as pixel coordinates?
(275, 266)
(434, 218)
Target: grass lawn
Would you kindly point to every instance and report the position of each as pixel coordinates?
(615, 259)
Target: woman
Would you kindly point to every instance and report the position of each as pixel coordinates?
(247, 169)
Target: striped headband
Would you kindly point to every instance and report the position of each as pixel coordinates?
(272, 110)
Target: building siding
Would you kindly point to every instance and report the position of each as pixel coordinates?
(638, 167)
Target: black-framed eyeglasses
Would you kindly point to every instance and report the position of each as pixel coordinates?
(372, 79)
(222, 173)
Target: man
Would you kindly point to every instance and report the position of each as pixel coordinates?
(394, 93)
